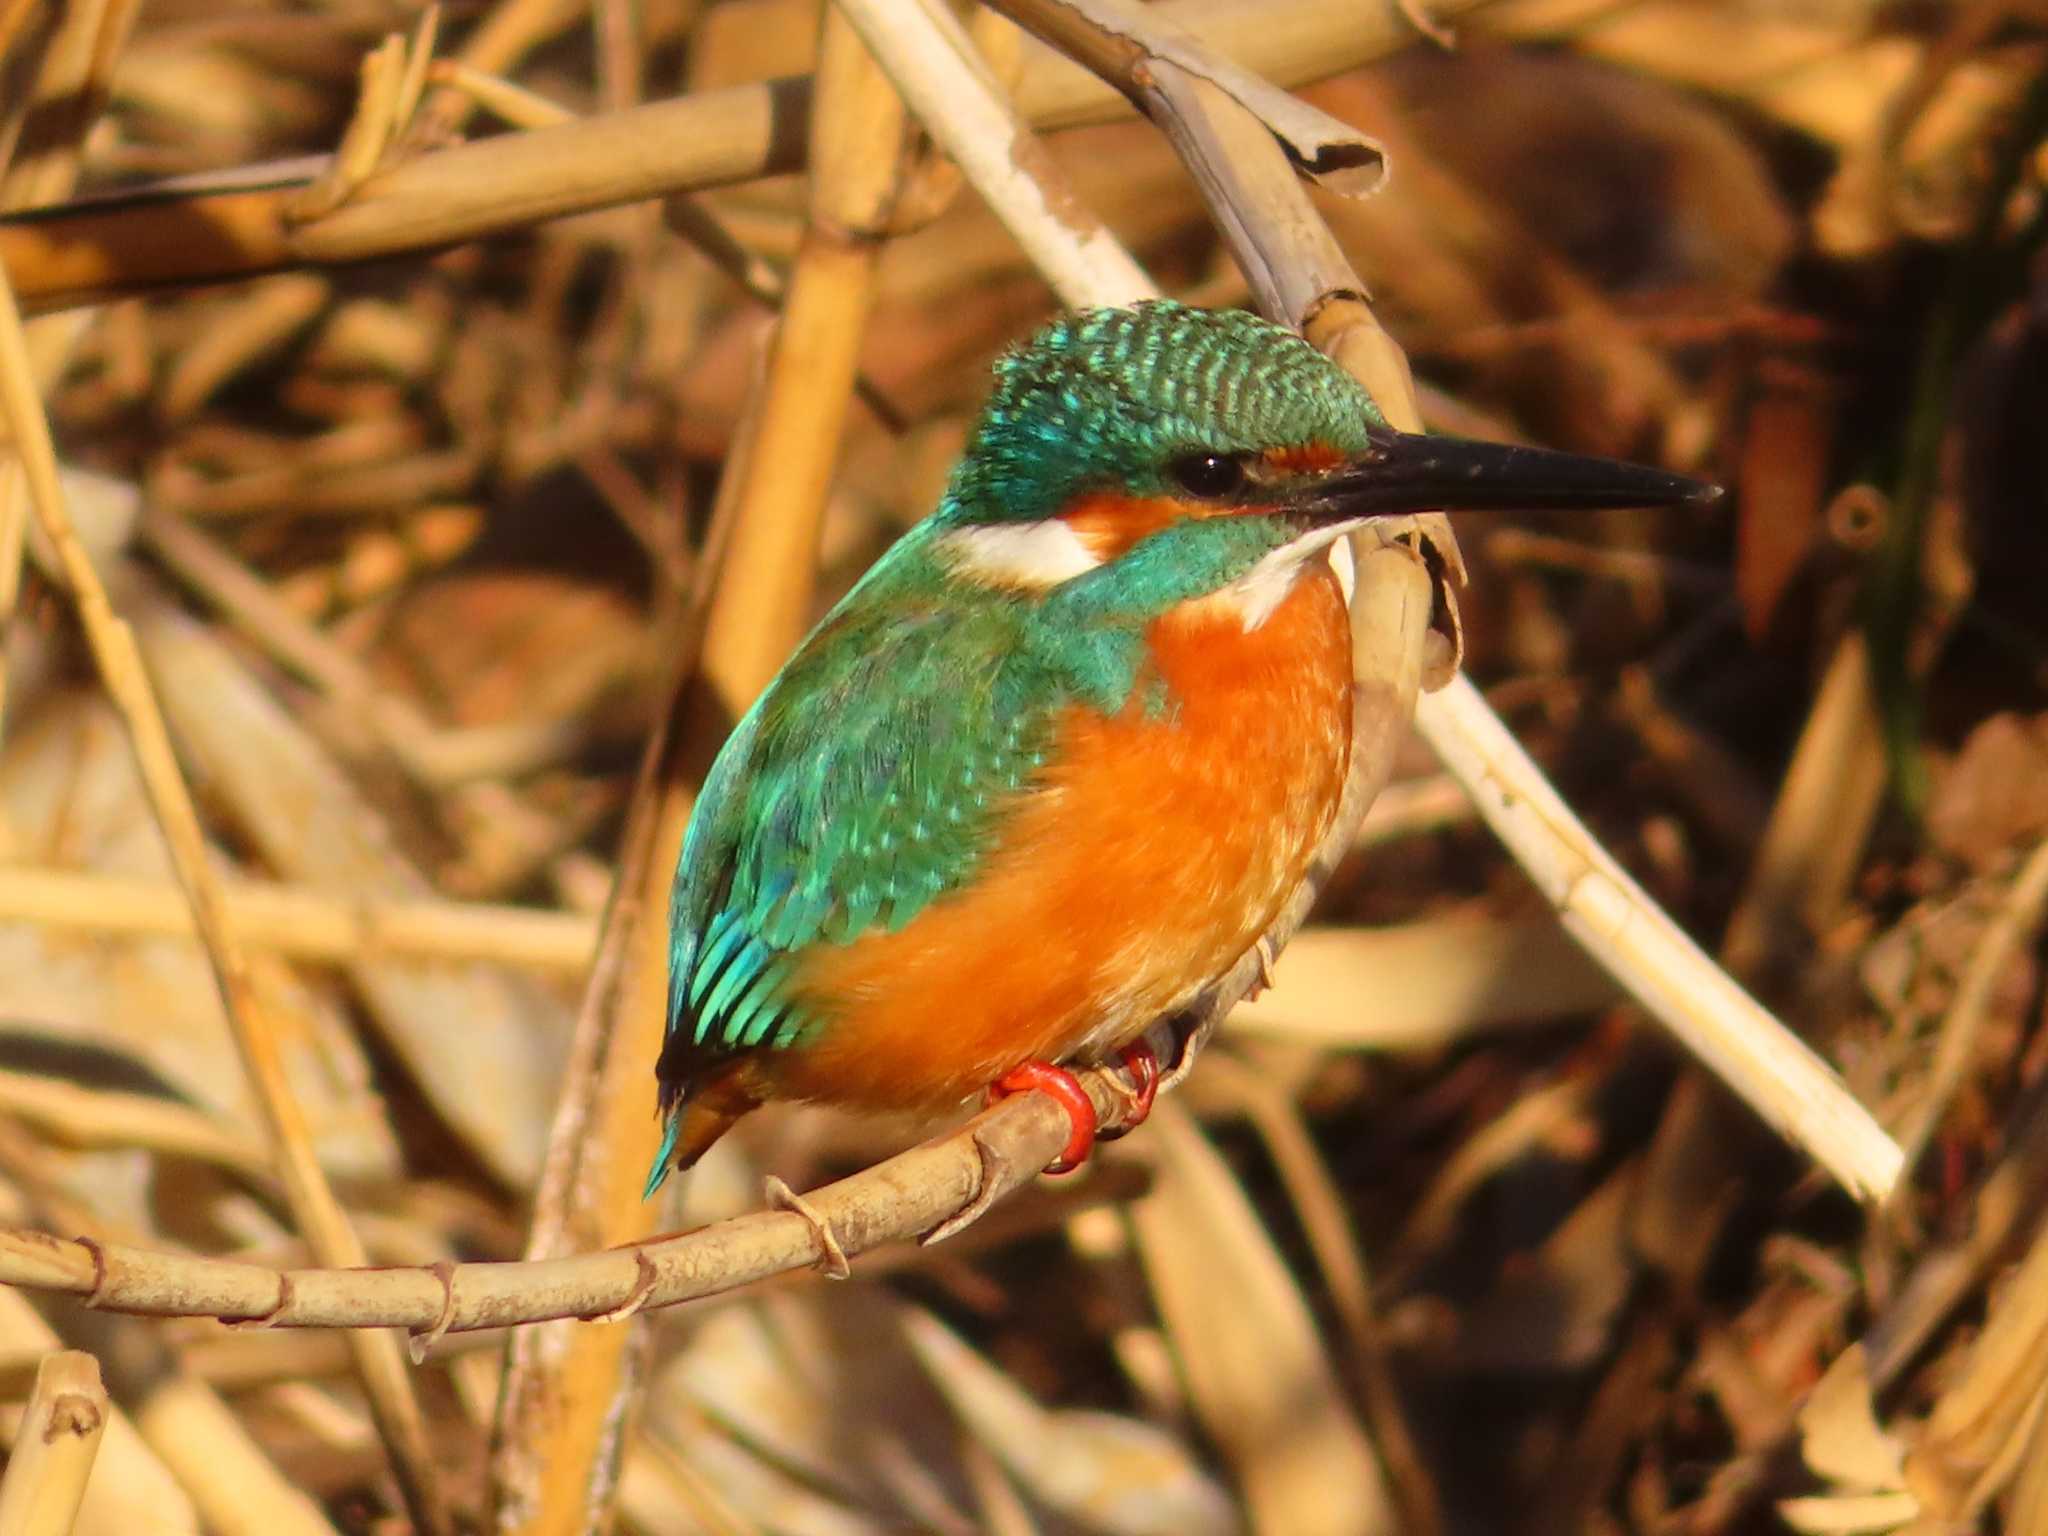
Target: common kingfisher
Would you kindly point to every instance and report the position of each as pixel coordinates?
(1053, 765)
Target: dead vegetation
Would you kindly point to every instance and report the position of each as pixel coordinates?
(441, 531)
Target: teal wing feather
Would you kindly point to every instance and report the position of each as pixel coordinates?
(868, 782)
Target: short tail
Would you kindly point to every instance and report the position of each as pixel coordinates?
(693, 1122)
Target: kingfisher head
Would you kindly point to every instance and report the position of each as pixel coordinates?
(1116, 437)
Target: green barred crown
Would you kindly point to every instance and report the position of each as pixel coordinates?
(1107, 398)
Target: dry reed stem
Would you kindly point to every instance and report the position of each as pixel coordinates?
(47, 125)
(302, 923)
(707, 139)
(551, 1467)
(206, 1445)
(1827, 802)
(935, 65)
(1768, 1067)
(558, 1461)
(1288, 260)
(112, 643)
(54, 1448)
(2011, 930)
(72, 1115)
(133, 1483)
(1333, 1239)
(1122, 43)
(910, 1194)
(764, 598)
(598, 1147)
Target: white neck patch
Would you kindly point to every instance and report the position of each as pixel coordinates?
(1261, 589)
(1033, 556)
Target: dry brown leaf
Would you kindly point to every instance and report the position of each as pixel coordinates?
(1106, 1472)
(1840, 1438)
(1258, 1372)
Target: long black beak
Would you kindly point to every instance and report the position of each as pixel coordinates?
(1415, 472)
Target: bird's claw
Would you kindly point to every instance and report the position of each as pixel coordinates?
(1065, 1090)
(1142, 1066)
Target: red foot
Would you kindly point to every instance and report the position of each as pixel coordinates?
(1143, 1067)
(1065, 1090)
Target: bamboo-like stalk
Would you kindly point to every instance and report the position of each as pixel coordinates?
(596, 1142)
(558, 1458)
(149, 241)
(54, 1448)
(319, 1215)
(304, 924)
(132, 1477)
(46, 126)
(858, 145)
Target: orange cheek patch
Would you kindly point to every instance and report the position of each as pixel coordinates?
(1108, 524)
(1302, 458)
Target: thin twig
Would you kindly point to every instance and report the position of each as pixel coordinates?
(904, 1197)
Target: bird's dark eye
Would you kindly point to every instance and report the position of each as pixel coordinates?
(1211, 476)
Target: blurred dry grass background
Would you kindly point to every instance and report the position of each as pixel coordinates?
(1443, 1240)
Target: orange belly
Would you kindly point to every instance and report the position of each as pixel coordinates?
(1159, 850)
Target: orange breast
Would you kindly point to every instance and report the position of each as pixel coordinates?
(1159, 851)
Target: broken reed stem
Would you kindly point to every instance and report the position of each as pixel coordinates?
(318, 1215)
(54, 1448)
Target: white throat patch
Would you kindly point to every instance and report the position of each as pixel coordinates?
(1261, 589)
(1033, 556)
